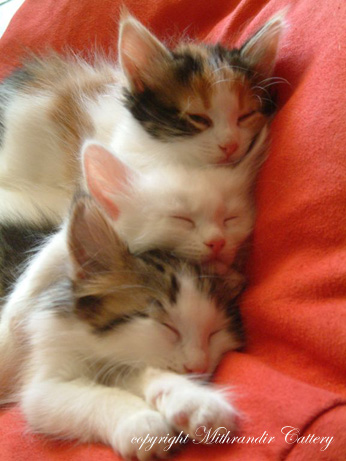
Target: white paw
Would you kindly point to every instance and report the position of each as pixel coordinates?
(138, 436)
(192, 408)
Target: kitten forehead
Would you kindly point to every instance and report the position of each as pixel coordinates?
(202, 66)
(194, 184)
(196, 314)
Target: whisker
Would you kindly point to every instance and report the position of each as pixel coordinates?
(220, 81)
(277, 79)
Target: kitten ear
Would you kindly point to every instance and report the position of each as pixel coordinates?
(140, 53)
(261, 49)
(93, 243)
(105, 176)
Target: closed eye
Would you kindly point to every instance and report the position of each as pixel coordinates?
(229, 219)
(214, 333)
(200, 119)
(174, 330)
(184, 219)
(246, 116)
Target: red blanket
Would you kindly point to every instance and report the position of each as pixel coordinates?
(293, 371)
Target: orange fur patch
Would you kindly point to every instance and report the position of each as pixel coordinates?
(69, 82)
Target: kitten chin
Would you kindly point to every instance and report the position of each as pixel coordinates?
(217, 267)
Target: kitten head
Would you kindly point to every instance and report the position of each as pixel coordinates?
(203, 103)
(151, 309)
(203, 215)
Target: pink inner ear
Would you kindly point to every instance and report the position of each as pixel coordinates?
(134, 53)
(105, 176)
(262, 48)
(138, 49)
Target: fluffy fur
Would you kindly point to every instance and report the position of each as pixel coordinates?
(111, 335)
(203, 215)
(195, 105)
(68, 328)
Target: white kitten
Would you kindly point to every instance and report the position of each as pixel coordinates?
(203, 215)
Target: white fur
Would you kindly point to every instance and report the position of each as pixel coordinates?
(207, 197)
(217, 200)
(34, 182)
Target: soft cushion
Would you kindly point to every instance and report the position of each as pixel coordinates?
(293, 370)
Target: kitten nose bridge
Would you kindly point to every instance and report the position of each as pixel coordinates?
(216, 245)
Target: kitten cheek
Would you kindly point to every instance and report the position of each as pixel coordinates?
(214, 337)
(170, 334)
(255, 123)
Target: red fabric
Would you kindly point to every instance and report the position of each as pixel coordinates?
(293, 372)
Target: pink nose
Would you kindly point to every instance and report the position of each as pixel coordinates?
(216, 245)
(198, 370)
(229, 149)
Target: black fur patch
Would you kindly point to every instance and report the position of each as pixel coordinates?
(153, 261)
(16, 245)
(160, 120)
(118, 321)
(112, 324)
(158, 259)
(18, 78)
(88, 307)
(174, 289)
(185, 66)
(269, 103)
(220, 56)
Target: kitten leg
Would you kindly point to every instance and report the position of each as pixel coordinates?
(90, 412)
(189, 406)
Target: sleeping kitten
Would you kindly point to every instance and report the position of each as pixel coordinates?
(194, 105)
(201, 214)
(104, 340)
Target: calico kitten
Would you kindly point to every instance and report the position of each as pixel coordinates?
(195, 105)
(105, 340)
